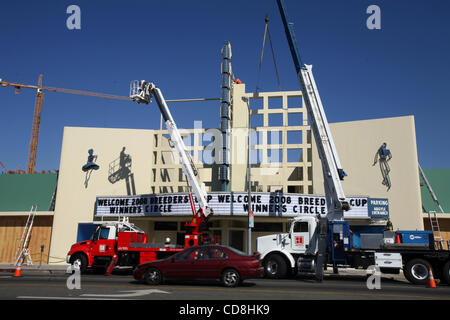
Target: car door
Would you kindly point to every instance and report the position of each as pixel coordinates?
(102, 244)
(210, 263)
(300, 236)
(181, 266)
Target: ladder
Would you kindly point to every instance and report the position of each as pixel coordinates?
(434, 222)
(432, 216)
(23, 252)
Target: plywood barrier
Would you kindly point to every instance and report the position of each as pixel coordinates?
(11, 229)
(444, 225)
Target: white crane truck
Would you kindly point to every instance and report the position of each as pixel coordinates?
(315, 241)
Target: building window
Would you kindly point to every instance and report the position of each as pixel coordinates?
(294, 155)
(274, 155)
(268, 227)
(295, 189)
(275, 120)
(295, 119)
(294, 137)
(166, 226)
(275, 102)
(274, 137)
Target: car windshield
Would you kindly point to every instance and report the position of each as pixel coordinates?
(236, 251)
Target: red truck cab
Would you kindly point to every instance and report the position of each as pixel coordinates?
(123, 239)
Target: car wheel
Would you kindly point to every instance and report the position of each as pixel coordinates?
(416, 271)
(230, 278)
(153, 276)
(446, 273)
(275, 267)
(80, 260)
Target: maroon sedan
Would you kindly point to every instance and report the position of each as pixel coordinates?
(229, 265)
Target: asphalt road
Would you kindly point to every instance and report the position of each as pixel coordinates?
(122, 286)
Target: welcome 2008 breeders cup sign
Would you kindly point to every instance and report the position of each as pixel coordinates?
(225, 204)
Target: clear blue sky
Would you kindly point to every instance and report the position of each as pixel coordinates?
(402, 69)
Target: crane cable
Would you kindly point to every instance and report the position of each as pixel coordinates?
(267, 31)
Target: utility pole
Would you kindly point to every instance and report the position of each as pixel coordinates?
(249, 183)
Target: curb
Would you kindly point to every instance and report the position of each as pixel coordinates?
(62, 270)
(363, 273)
(35, 270)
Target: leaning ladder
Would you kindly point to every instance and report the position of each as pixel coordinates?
(23, 252)
(432, 216)
(434, 221)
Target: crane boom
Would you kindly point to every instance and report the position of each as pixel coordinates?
(31, 162)
(142, 92)
(32, 151)
(92, 94)
(331, 166)
(62, 90)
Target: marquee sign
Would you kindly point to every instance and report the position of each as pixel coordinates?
(225, 204)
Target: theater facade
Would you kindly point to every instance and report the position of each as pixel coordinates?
(140, 177)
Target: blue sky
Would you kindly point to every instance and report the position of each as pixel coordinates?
(402, 69)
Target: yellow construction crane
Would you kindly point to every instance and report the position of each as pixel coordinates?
(31, 162)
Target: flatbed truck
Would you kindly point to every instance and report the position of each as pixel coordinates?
(414, 252)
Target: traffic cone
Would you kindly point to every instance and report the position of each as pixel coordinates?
(111, 266)
(431, 282)
(18, 272)
(397, 238)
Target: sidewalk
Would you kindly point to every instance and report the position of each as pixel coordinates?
(35, 269)
(362, 273)
(60, 269)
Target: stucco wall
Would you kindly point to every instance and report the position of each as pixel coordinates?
(76, 192)
(357, 143)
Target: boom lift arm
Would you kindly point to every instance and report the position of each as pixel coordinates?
(142, 92)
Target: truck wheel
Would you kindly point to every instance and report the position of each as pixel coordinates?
(82, 261)
(416, 271)
(153, 276)
(275, 267)
(230, 278)
(446, 273)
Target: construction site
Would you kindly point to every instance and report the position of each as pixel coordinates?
(260, 167)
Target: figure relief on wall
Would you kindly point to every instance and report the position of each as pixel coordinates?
(89, 166)
(120, 169)
(383, 156)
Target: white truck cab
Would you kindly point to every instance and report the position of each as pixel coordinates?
(281, 253)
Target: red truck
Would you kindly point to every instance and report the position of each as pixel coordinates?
(129, 244)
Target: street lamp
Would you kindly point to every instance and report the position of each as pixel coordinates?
(249, 183)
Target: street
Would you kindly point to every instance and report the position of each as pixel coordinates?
(122, 286)
(254, 299)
